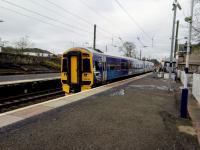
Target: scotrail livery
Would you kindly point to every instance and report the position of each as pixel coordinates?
(83, 68)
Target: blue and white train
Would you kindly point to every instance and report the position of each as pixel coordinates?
(82, 68)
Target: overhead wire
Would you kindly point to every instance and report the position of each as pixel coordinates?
(97, 13)
(53, 19)
(77, 16)
(132, 18)
(43, 6)
(93, 10)
(44, 16)
(74, 15)
(42, 21)
(53, 11)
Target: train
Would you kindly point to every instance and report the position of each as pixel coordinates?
(83, 68)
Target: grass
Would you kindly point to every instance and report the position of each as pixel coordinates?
(51, 64)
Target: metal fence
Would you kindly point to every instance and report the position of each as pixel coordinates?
(196, 86)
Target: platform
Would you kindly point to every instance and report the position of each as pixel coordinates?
(17, 79)
(137, 113)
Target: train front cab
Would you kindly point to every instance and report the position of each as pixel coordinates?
(76, 73)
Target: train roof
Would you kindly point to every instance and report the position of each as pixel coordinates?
(99, 52)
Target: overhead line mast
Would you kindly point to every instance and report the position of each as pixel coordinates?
(175, 5)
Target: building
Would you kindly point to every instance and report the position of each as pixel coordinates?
(194, 61)
(37, 52)
(166, 64)
(28, 51)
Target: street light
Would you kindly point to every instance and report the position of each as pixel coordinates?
(184, 94)
(175, 5)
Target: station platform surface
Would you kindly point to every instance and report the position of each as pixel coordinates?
(138, 113)
(12, 79)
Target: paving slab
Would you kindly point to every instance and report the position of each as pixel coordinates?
(141, 114)
(9, 119)
(194, 113)
(27, 113)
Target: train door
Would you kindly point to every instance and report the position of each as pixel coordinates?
(74, 79)
(104, 68)
(74, 68)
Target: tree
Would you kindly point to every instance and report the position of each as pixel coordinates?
(129, 49)
(23, 43)
(196, 22)
(3, 43)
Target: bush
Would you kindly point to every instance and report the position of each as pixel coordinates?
(51, 64)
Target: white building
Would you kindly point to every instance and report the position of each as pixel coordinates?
(37, 52)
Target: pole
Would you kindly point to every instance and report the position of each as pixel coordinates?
(172, 43)
(177, 58)
(188, 46)
(184, 95)
(176, 38)
(94, 41)
(140, 54)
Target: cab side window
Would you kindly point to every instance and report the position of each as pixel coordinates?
(97, 66)
(65, 65)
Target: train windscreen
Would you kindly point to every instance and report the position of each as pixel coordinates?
(86, 65)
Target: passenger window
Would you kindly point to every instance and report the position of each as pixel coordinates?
(97, 66)
(65, 65)
(122, 65)
(86, 65)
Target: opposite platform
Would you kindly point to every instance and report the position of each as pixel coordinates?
(17, 79)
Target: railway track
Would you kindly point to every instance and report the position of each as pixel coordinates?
(37, 93)
(14, 102)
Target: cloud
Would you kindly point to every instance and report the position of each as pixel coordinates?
(66, 30)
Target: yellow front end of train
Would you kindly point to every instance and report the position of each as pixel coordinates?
(76, 70)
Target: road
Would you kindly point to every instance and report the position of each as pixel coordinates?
(141, 115)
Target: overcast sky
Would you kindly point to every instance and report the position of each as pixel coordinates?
(57, 29)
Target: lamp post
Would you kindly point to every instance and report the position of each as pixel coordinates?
(175, 5)
(184, 95)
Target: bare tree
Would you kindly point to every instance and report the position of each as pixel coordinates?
(3, 43)
(23, 43)
(129, 49)
(196, 22)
